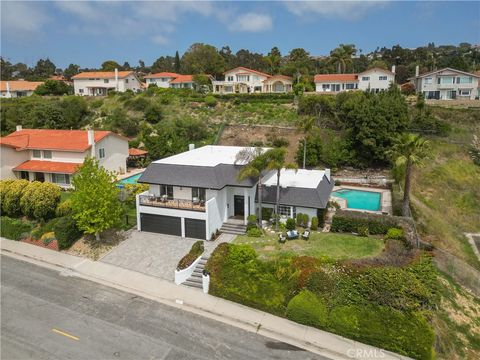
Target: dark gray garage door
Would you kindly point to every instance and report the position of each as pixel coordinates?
(161, 224)
(195, 228)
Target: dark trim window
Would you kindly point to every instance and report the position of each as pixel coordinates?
(37, 154)
(101, 153)
(198, 193)
(61, 178)
(47, 154)
(365, 78)
(382, 78)
(166, 190)
(24, 175)
(105, 81)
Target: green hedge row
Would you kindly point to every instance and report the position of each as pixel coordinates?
(261, 97)
(352, 221)
(196, 250)
(14, 229)
(66, 232)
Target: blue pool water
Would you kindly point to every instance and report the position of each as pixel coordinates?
(359, 199)
(130, 180)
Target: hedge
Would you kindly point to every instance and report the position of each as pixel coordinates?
(404, 333)
(306, 308)
(262, 97)
(351, 221)
(66, 232)
(14, 229)
(196, 250)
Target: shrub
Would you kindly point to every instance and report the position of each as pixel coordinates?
(306, 308)
(299, 219)
(64, 208)
(407, 334)
(11, 198)
(349, 221)
(252, 219)
(266, 213)
(195, 251)
(320, 282)
(255, 232)
(14, 229)
(280, 142)
(363, 231)
(321, 213)
(290, 225)
(40, 200)
(210, 101)
(66, 232)
(38, 232)
(314, 225)
(47, 238)
(395, 234)
(4, 186)
(306, 218)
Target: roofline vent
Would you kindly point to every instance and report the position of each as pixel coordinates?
(19, 128)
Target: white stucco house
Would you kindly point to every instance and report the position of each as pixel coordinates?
(375, 80)
(447, 84)
(18, 88)
(182, 82)
(193, 194)
(54, 155)
(243, 80)
(99, 83)
(161, 79)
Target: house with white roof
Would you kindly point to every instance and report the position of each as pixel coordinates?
(243, 80)
(18, 88)
(99, 83)
(196, 193)
(447, 84)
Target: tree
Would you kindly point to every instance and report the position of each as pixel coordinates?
(163, 63)
(53, 87)
(44, 69)
(110, 65)
(342, 56)
(6, 69)
(71, 70)
(177, 65)
(273, 60)
(203, 59)
(95, 201)
(126, 66)
(305, 125)
(409, 150)
(298, 63)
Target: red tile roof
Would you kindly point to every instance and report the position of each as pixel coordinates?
(66, 140)
(248, 70)
(335, 77)
(182, 79)
(136, 152)
(101, 75)
(48, 166)
(162, 74)
(20, 85)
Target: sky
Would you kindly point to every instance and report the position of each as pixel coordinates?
(89, 32)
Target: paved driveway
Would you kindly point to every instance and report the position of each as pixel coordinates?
(156, 254)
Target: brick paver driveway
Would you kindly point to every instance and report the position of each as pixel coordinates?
(149, 253)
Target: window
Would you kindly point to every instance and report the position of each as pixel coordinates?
(105, 81)
(228, 89)
(464, 80)
(284, 211)
(61, 178)
(80, 91)
(47, 154)
(255, 77)
(24, 175)
(101, 153)
(163, 79)
(229, 78)
(464, 92)
(325, 87)
(365, 78)
(350, 86)
(446, 80)
(91, 79)
(428, 80)
(257, 89)
(382, 78)
(198, 193)
(37, 154)
(126, 81)
(243, 78)
(166, 190)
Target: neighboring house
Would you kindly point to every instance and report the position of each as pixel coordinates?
(161, 79)
(447, 84)
(54, 155)
(18, 88)
(243, 80)
(99, 83)
(374, 80)
(182, 82)
(194, 193)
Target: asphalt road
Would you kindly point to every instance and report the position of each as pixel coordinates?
(45, 315)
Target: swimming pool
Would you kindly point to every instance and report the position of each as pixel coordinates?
(129, 180)
(359, 199)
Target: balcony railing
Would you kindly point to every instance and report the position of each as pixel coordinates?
(165, 202)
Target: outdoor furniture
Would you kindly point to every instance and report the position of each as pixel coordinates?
(292, 234)
(282, 238)
(164, 198)
(195, 200)
(306, 234)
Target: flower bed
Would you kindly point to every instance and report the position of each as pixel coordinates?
(52, 245)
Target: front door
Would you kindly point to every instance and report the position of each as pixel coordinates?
(39, 176)
(239, 205)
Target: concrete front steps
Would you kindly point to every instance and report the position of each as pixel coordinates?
(233, 226)
(195, 280)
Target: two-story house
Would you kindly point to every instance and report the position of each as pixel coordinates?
(194, 193)
(375, 80)
(18, 88)
(161, 79)
(243, 80)
(54, 155)
(447, 84)
(99, 83)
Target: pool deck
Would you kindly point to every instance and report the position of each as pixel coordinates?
(129, 173)
(385, 199)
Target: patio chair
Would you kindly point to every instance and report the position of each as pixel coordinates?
(282, 238)
(306, 234)
(292, 234)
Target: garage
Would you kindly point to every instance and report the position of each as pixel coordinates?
(161, 224)
(195, 228)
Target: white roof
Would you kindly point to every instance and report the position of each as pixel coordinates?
(209, 156)
(302, 178)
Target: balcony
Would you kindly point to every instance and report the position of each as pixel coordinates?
(170, 203)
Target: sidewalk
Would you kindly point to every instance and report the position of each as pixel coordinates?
(188, 299)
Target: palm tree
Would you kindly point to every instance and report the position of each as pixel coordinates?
(409, 150)
(305, 124)
(342, 56)
(254, 168)
(275, 160)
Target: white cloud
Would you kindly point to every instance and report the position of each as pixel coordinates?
(159, 39)
(21, 20)
(251, 22)
(348, 10)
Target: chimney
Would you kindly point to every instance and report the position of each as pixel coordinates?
(19, 127)
(417, 71)
(327, 174)
(91, 141)
(191, 147)
(393, 69)
(116, 79)
(8, 90)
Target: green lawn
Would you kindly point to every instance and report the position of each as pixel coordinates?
(335, 246)
(65, 195)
